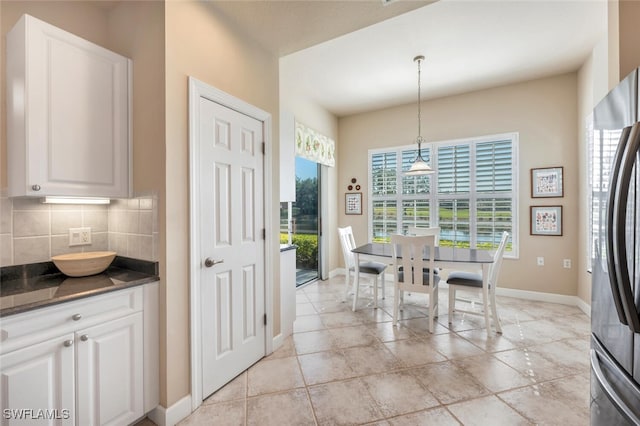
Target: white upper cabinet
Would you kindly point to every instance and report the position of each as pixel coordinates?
(68, 114)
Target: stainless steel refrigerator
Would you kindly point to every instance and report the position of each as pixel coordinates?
(615, 323)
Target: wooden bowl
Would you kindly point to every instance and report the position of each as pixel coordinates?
(84, 264)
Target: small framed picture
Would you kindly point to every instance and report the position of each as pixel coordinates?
(546, 220)
(547, 182)
(353, 203)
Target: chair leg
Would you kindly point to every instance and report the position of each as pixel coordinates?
(396, 303)
(356, 288)
(346, 285)
(384, 294)
(494, 313)
(375, 292)
(485, 303)
(435, 301)
(452, 302)
(432, 310)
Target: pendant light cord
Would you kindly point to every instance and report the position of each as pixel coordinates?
(419, 115)
(419, 60)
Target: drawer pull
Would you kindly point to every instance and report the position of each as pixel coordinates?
(84, 337)
(68, 343)
(76, 317)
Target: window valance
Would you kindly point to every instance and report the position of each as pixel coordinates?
(314, 146)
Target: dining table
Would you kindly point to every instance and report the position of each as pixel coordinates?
(444, 257)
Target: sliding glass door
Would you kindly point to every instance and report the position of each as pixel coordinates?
(306, 220)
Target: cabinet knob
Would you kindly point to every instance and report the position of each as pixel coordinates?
(36, 187)
(76, 317)
(67, 343)
(84, 337)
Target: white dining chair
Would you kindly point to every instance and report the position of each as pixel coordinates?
(421, 230)
(472, 282)
(411, 272)
(373, 270)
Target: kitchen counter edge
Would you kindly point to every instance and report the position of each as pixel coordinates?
(141, 272)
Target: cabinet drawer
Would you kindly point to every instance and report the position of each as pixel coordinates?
(24, 329)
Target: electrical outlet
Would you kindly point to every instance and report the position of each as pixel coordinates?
(79, 236)
(566, 263)
(540, 261)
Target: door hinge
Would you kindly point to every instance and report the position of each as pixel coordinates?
(264, 148)
(264, 233)
(265, 319)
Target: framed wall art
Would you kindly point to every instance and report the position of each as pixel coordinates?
(546, 220)
(547, 182)
(353, 203)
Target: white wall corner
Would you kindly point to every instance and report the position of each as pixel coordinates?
(277, 342)
(172, 415)
(335, 272)
(583, 306)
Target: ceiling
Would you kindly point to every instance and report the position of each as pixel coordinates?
(354, 56)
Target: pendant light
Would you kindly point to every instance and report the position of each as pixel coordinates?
(419, 166)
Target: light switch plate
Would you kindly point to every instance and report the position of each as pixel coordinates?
(79, 236)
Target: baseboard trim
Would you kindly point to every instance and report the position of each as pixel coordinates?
(339, 271)
(277, 342)
(584, 307)
(545, 297)
(509, 292)
(172, 415)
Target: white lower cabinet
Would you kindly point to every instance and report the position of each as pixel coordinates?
(109, 372)
(92, 365)
(37, 383)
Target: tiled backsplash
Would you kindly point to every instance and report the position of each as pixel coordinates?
(33, 232)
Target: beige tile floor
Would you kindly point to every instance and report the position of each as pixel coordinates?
(346, 368)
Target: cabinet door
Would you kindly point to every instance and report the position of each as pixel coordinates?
(72, 137)
(37, 384)
(110, 372)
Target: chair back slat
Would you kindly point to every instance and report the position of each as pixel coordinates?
(408, 253)
(422, 231)
(494, 272)
(348, 243)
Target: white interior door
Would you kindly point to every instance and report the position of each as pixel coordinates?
(232, 246)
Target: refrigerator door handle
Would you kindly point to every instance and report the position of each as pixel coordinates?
(611, 240)
(620, 232)
(596, 357)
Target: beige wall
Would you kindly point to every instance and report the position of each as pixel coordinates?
(314, 116)
(200, 44)
(628, 39)
(544, 112)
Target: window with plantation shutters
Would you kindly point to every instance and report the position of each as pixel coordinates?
(602, 148)
(471, 197)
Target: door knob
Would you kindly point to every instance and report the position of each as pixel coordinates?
(209, 262)
(67, 343)
(84, 337)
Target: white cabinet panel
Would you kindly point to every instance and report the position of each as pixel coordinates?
(110, 372)
(96, 357)
(287, 291)
(68, 126)
(37, 384)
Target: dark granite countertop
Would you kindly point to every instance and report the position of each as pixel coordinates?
(287, 247)
(33, 286)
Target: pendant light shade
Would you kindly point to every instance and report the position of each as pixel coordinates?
(419, 166)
